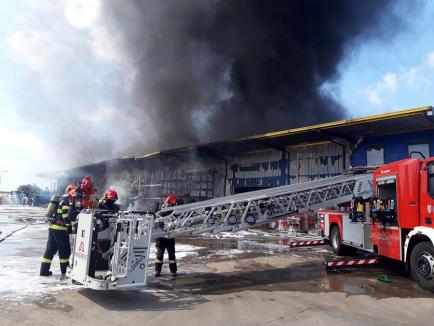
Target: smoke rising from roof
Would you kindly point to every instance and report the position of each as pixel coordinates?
(213, 70)
(125, 77)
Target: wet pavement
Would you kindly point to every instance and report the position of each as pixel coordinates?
(304, 272)
(208, 265)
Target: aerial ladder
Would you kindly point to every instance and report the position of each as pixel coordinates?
(111, 250)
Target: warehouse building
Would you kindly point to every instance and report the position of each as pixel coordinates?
(266, 160)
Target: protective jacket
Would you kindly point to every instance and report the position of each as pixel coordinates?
(61, 219)
(58, 238)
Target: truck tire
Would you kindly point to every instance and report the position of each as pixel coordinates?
(335, 241)
(422, 265)
(339, 248)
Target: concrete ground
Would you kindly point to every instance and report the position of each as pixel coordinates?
(248, 280)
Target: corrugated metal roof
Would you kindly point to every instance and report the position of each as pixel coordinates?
(420, 118)
(383, 117)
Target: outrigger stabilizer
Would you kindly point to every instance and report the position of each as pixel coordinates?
(111, 250)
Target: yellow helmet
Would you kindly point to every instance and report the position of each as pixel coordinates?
(70, 187)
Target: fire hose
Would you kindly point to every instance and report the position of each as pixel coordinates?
(15, 231)
(11, 233)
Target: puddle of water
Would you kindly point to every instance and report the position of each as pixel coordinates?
(308, 277)
(364, 281)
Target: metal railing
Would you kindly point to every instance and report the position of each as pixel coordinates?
(244, 210)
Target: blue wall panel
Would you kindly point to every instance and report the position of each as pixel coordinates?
(395, 146)
(263, 173)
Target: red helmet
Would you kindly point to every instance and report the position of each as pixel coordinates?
(86, 184)
(111, 195)
(170, 200)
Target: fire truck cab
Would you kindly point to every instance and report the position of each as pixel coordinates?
(397, 222)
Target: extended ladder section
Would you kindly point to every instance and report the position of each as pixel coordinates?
(241, 211)
(111, 251)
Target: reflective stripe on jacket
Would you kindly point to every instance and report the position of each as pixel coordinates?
(60, 219)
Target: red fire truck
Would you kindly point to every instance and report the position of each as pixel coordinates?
(398, 220)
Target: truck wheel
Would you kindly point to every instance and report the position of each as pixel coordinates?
(422, 265)
(335, 241)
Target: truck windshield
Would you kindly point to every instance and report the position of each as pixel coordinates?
(386, 204)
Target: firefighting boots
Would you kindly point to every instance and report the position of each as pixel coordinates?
(158, 267)
(173, 268)
(45, 269)
(63, 265)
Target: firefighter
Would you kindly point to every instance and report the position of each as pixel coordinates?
(86, 193)
(353, 209)
(360, 209)
(81, 197)
(58, 235)
(357, 209)
(166, 243)
(108, 201)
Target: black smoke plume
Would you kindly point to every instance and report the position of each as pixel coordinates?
(145, 75)
(218, 69)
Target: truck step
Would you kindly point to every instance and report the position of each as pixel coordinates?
(347, 263)
(306, 243)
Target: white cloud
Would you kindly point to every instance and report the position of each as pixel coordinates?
(430, 60)
(68, 28)
(410, 76)
(82, 13)
(372, 95)
(390, 82)
(86, 15)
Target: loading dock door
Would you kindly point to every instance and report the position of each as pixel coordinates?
(317, 161)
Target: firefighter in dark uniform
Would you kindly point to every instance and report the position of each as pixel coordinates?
(166, 243)
(58, 236)
(108, 201)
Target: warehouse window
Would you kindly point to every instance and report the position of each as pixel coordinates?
(418, 147)
(375, 155)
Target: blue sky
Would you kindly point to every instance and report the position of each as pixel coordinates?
(58, 60)
(395, 73)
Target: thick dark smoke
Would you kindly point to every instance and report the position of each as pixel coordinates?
(218, 69)
(101, 79)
